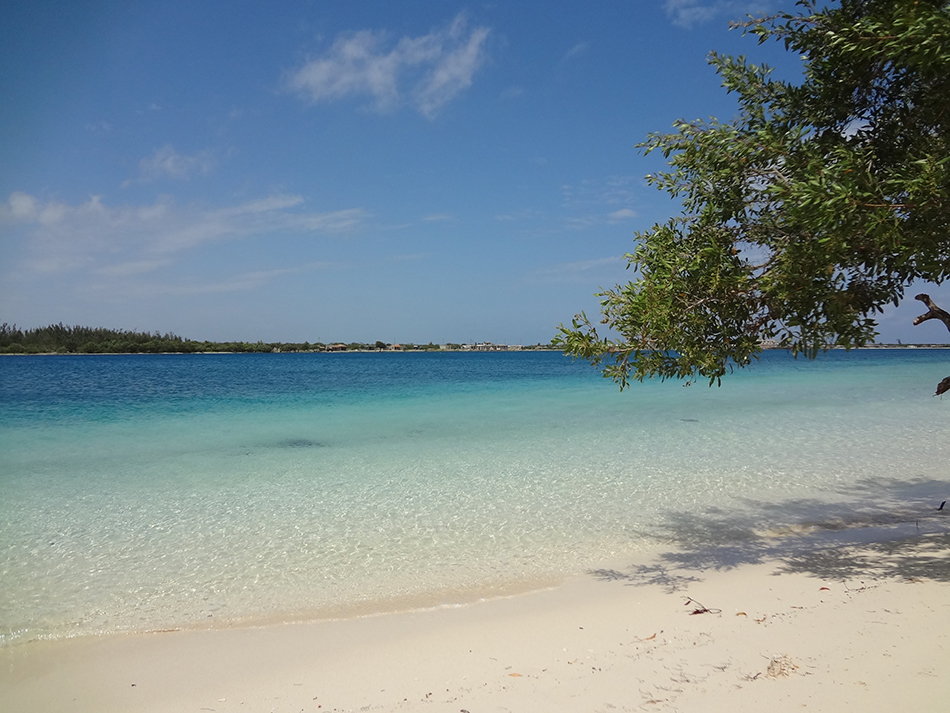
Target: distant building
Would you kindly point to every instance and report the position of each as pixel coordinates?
(489, 347)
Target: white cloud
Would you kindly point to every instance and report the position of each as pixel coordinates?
(452, 74)
(134, 239)
(688, 13)
(166, 162)
(23, 207)
(437, 218)
(437, 66)
(618, 216)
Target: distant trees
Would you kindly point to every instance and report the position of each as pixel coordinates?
(62, 339)
(87, 340)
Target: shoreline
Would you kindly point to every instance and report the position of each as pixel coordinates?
(831, 620)
(868, 347)
(759, 544)
(323, 351)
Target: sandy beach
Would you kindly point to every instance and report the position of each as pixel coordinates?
(845, 621)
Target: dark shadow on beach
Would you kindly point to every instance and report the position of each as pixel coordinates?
(877, 529)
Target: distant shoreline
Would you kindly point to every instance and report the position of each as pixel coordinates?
(892, 347)
(63, 339)
(300, 351)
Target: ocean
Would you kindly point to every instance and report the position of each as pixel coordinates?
(155, 492)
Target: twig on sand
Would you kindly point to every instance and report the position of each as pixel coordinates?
(700, 608)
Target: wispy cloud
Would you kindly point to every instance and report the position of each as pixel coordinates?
(521, 215)
(688, 13)
(427, 71)
(166, 162)
(437, 218)
(593, 220)
(411, 257)
(575, 51)
(127, 269)
(614, 190)
(99, 127)
(619, 216)
(607, 269)
(134, 239)
(236, 283)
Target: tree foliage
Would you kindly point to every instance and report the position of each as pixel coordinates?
(63, 339)
(803, 216)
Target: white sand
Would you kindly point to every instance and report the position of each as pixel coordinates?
(860, 628)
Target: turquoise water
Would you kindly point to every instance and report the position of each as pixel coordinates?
(164, 491)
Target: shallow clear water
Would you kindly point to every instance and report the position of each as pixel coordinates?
(149, 492)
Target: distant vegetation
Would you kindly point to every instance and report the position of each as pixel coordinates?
(60, 339)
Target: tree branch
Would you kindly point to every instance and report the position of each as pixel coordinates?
(934, 312)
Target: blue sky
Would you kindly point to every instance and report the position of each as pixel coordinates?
(303, 170)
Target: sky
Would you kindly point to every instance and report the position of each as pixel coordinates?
(346, 171)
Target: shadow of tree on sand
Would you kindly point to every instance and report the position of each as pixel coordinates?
(641, 575)
(877, 529)
(922, 557)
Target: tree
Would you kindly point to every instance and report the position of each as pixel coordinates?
(818, 205)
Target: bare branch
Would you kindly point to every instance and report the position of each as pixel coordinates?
(934, 311)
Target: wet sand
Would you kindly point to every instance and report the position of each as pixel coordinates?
(858, 621)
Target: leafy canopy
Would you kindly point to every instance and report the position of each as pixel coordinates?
(806, 214)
